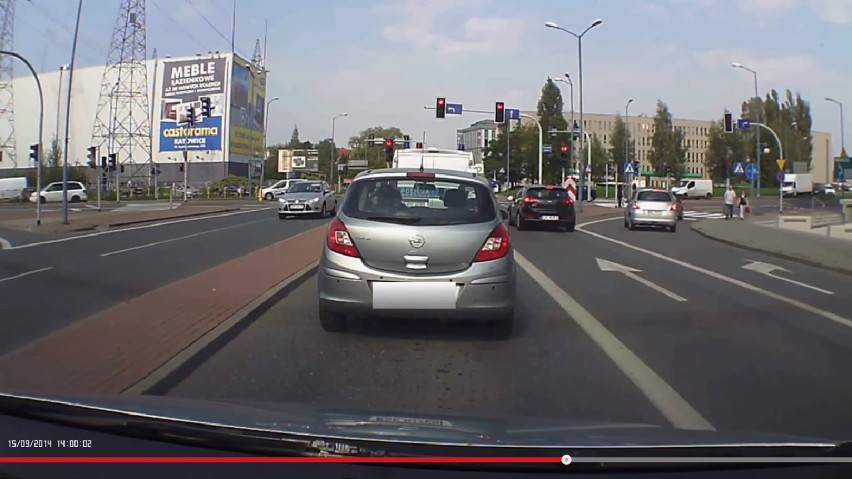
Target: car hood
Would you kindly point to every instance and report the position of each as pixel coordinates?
(300, 196)
(408, 427)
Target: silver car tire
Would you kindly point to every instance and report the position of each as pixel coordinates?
(332, 322)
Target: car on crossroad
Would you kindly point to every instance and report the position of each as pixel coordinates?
(542, 205)
(652, 207)
(307, 198)
(408, 243)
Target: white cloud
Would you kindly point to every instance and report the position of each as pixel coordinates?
(793, 69)
(838, 12)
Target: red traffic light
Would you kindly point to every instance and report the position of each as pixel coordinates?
(389, 143)
(499, 105)
(440, 101)
(564, 148)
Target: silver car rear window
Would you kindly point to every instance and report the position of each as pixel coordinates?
(424, 202)
(305, 188)
(653, 196)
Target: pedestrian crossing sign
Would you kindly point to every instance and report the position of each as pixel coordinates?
(739, 169)
(628, 167)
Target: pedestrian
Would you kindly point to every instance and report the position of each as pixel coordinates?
(619, 195)
(730, 197)
(743, 204)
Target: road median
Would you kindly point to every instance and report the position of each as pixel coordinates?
(803, 247)
(134, 345)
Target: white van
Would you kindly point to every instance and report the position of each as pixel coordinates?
(689, 188)
(434, 158)
(278, 189)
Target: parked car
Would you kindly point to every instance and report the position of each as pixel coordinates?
(53, 192)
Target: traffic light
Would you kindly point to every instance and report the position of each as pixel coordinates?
(729, 123)
(371, 139)
(563, 151)
(389, 144)
(441, 108)
(418, 145)
(92, 155)
(206, 107)
(406, 142)
(153, 170)
(499, 113)
(181, 167)
(1, 156)
(103, 162)
(34, 152)
(113, 159)
(192, 118)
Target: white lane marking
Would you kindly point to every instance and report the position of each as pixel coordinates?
(179, 238)
(140, 227)
(605, 265)
(19, 276)
(741, 284)
(767, 269)
(670, 404)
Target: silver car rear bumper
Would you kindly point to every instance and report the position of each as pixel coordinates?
(483, 291)
(653, 218)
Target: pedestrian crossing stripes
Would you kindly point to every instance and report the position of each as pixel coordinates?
(688, 215)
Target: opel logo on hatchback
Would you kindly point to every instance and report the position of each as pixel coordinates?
(417, 241)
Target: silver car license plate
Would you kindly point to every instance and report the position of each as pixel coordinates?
(297, 207)
(414, 295)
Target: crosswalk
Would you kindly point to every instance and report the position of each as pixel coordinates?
(688, 215)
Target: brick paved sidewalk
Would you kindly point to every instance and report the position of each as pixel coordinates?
(829, 253)
(115, 349)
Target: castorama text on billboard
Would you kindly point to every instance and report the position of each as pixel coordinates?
(185, 83)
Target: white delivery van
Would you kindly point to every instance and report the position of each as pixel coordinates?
(437, 159)
(797, 184)
(691, 188)
(11, 188)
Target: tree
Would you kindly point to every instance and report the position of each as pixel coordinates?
(523, 153)
(668, 147)
(617, 138)
(294, 138)
(374, 154)
(723, 150)
(549, 110)
(55, 153)
(600, 157)
(791, 120)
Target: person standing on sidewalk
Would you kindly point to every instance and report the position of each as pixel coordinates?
(730, 197)
(743, 204)
(619, 195)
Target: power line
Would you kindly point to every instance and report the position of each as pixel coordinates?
(178, 24)
(224, 37)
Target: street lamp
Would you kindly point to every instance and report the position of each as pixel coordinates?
(842, 133)
(265, 147)
(333, 148)
(756, 133)
(580, 71)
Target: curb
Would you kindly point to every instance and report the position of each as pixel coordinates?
(179, 367)
(190, 215)
(773, 253)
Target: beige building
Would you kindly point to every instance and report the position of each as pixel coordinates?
(642, 129)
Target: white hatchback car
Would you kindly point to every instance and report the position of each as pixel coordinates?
(53, 192)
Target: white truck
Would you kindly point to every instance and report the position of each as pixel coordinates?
(434, 158)
(691, 188)
(11, 188)
(797, 184)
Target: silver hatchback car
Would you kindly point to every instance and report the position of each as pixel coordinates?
(407, 243)
(652, 207)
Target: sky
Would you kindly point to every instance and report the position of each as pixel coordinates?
(383, 61)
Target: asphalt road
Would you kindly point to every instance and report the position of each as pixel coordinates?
(46, 286)
(695, 341)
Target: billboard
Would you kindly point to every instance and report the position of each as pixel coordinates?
(298, 160)
(185, 83)
(248, 108)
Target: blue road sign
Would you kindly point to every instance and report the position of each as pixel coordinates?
(739, 169)
(628, 168)
(751, 171)
(547, 148)
(743, 123)
(513, 114)
(779, 177)
(454, 108)
(461, 146)
(502, 171)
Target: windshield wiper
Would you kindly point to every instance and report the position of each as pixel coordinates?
(407, 220)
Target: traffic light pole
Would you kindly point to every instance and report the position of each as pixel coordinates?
(780, 156)
(40, 128)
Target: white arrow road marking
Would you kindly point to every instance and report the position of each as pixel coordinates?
(605, 265)
(660, 393)
(768, 268)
